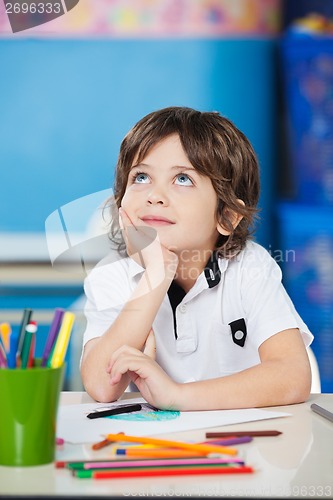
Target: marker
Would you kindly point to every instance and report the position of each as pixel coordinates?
(115, 411)
(5, 331)
(30, 331)
(13, 343)
(25, 321)
(61, 344)
(203, 448)
(32, 351)
(52, 335)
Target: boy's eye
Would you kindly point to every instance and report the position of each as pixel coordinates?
(183, 180)
(141, 178)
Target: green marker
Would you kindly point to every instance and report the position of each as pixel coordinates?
(25, 321)
(30, 331)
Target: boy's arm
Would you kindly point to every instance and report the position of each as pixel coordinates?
(134, 322)
(283, 377)
(131, 327)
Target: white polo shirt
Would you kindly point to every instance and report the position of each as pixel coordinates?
(217, 327)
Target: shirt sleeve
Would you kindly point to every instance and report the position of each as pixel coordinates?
(107, 289)
(267, 305)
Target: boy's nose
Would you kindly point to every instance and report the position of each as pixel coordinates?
(157, 196)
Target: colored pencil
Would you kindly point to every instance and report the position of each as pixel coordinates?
(3, 358)
(101, 444)
(159, 463)
(138, 452)
(60, 347)
(201, 448)
(52, 335)
(229, 441)
(180, 471)
(242, 433)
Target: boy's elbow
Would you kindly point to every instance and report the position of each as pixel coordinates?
(300, 388)
(99, 392)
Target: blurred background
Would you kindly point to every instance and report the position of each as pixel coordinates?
(72, 87)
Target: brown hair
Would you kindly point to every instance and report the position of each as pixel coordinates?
(216, 148)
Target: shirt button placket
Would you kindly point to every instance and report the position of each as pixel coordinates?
(183, 308)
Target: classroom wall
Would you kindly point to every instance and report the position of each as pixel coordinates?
(66, 104)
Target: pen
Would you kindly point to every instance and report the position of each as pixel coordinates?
(115, 411)
(203, 448)
(242, 433)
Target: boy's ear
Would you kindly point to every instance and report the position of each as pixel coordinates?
(234, 218)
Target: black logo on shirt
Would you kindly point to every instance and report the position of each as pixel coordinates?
(238, 331)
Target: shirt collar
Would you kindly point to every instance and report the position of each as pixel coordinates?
(212, 271)
(134, 267)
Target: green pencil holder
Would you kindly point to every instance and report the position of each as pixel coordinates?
(29, 403)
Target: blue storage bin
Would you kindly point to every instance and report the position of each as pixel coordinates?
(308, 76)
(306, 258)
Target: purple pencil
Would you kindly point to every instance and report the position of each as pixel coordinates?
(54, 329)
(229, 441)
(3, 359)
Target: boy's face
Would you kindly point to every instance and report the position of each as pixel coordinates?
(166, 193)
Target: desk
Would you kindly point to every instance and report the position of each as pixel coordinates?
(298, 463)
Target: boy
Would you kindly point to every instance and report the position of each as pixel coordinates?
(195, 315)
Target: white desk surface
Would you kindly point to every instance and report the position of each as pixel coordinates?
(298, 463)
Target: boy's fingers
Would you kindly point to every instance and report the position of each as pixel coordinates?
(141, 238)
(125, 219)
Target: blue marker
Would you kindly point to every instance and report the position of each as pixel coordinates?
(13, 344)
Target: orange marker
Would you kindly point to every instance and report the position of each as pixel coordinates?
(5, 331)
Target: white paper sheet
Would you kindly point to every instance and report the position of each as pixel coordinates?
(74, 426)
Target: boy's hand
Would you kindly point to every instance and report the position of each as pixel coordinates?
(155, 386)
(143, 245)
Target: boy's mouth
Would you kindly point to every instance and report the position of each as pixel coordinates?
(156, 220)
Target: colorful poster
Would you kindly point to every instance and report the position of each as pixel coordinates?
(140, 18)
